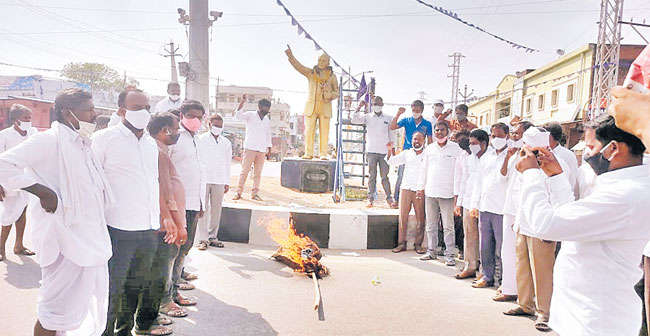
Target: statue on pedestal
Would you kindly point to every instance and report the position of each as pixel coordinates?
(323, 88)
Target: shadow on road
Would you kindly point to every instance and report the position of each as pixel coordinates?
(248, 264)
(220, 318)
(25, 275)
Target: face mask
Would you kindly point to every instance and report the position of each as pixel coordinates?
(25, 125)
(174, 137)
(138, 119)
(174, 97)
(475, 149)
(85, 129)
(441, 141)
(461, 117)
(498, 143)
(192, 125)
(518, 144)
(464, 144)
(216, 130)
(376, 109)
(598, 162)
(417, 115)
(418, 148)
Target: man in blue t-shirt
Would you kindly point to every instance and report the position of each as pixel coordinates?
(410, 124)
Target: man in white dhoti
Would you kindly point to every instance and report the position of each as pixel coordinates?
(69, 230)
(603, 235)
(14, 203)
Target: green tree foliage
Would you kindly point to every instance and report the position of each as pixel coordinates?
(98, 76)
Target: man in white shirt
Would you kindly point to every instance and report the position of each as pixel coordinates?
(562, 152)
(172, 101)
(488, 199)
(14, 203)
(436, 182)
(478, 145)
(69, 229)
(412, 159)
(129, 156)
(186, 156)
(586, 177)
(216, 156)
(257, 145)
(603, 235)
(378, 138)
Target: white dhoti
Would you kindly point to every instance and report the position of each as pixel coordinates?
(73, 299)
(508, 257)
(13, 206)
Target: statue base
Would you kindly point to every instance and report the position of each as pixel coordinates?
(308, 176)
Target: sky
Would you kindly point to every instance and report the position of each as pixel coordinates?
(404, 43)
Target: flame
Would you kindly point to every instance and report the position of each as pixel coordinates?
(291, 243)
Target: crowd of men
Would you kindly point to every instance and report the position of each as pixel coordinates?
(119, 204)
(562, 242)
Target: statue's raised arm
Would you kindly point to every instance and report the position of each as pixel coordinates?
(305, 71)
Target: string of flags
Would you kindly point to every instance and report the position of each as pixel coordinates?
(301, 31)
(455, 17)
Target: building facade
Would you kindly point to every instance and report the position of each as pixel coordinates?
(559, 91)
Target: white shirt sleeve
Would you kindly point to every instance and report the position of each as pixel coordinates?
(458, 173)
(601, 216)
(464, 175)
(478, 186)
(399, 159)
(358, 118)
(241, 115)
(268, 137)
(424, 171)
(13, 162)
(228, 162)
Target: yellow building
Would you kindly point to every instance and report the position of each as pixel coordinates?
(558, 91)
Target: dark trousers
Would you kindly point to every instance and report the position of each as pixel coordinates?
(491, 233)
(191, 218)
(639, 287)
(133, 286)
(166, 257)
(374, 160)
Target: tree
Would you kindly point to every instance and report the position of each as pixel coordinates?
(98, 76)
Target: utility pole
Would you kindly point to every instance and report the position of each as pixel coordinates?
(465, 95)
(171, 52)
(422, 96)
(198, 76)
(607, 55)
(455, 76)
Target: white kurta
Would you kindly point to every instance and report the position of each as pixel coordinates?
(72, 251)
(603, 236)
(14, 202)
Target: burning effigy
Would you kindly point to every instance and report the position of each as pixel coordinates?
(297, 251)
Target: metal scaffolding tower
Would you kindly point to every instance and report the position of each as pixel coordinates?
(607, 55)
(455, 76)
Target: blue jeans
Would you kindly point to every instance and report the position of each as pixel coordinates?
(491, 233)
(398, 184)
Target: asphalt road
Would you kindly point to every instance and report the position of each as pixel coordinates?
(241, 292)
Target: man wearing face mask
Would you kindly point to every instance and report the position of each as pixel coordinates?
(173, 100)
(186, 156)
(69, 235)
(478, 145)
(438, 108)
(603, 235)
(461, 122)
(164, 128)
(257, 144)
(216, 156)
(15, 203)
(410, 125)
(129, 157)
(487, 204)
(412, 159)
(378, 138)
(437, 181)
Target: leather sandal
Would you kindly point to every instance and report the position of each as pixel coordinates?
(483, 283)
(465, 274)
(517, 312)
(401, 247)
(419, 249)
(504, 298)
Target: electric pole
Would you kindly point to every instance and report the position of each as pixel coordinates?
(422, 96)
(197, 83)
(171, 52)
(455, 76)
(607, 55)
(465, 95)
